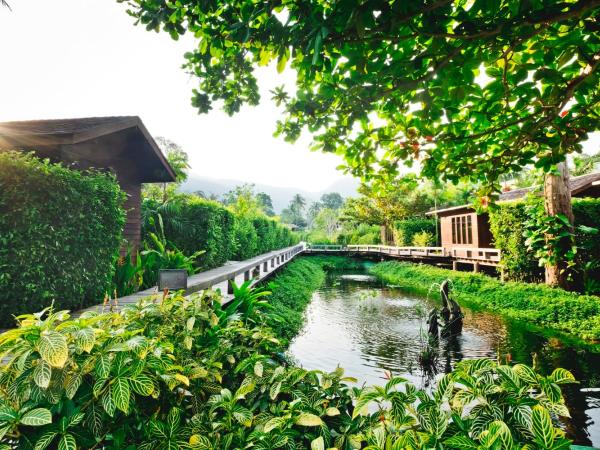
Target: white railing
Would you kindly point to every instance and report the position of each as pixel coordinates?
(463, 253)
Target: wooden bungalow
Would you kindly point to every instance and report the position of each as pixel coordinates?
(121, 145)
(462, 227)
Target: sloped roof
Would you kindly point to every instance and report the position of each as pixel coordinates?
(577, 185)
(31, 134)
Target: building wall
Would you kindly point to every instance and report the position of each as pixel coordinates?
(447, 234)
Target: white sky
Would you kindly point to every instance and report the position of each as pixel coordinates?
(83, 58)
(80, 58)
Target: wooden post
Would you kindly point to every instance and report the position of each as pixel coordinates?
(454, 265)
(475, 267)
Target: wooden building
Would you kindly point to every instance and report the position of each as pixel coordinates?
(121, 145)
(462, 227)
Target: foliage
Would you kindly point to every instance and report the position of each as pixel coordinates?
(60, 233)
(179, 162)
(508, 226)
(129, 274)
(407, 229)
(159, 254)
(359, 234)
(266, 203)
(423, 239)
(550, 238)
(246, 239)
(538, 305)
(332, 200)
(186, 373)
(244, 202)
(294, 213)
(467, 89)
(585, 164)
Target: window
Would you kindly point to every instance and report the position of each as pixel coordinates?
(462, 230)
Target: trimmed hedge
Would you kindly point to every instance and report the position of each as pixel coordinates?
(192, 223)
(507, 224)
(540, 305)
(60, 233)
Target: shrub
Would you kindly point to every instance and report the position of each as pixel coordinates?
(539, 305)
(246, 239)
(186, 373)
(405, 230)
(507, 224)
(361, 234)
(60, 232)
(423, 239)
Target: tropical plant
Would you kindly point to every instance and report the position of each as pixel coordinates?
(169, 374)
(423, 239)
(129, 274)
(159, 254)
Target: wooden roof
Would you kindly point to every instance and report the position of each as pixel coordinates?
(34, 134)
(577, 184)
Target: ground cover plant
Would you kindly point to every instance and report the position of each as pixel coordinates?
(60, 233)
(540, 305)
(185, 373)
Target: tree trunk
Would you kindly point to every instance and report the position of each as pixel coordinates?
(557, 200)
(383, 229)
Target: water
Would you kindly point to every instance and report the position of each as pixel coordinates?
(356, 322)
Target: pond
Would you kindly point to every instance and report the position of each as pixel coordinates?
(359, 323)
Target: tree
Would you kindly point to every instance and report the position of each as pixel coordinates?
(294, 213)
(266, 203)
(312, 212)
(382, 203)
(418, 67)
(332, 200)
(585, 164)
(327, 221)
(178, 160)
(243, 201)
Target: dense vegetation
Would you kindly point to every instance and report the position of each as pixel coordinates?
(539, 305)
(508, 224)
(175, 373)
(60, 232)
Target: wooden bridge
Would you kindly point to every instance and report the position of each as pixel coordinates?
(456, 255)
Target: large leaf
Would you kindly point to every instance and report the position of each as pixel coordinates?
(120, 394)
(67, 442)
(37, 417)
(45, 440)
(308, 420)
(541, 423)
(142, 385)
(42, 374)
(562, 376)
(53, 348)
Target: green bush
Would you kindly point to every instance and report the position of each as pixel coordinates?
(405, 230)
(60, 233)
(192, 223)
(507, 224)
(188, 374)
(540, 305)
(423, 239)
(361, 234)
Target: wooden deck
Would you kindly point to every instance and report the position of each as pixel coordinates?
(455, 255)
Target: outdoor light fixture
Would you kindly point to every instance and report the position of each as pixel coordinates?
(172, 279)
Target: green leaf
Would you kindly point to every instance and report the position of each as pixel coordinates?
(107, 403)
(53, 348)
(85, 339)
(37, 417)
(7, 414)
(142, 385)
(274, 390)
(461, 442)
(562, 376)
(67, 442)
(42, 373)
(258, 369)
(45, 440)
(120, 394)
(72, 384)
(541, 424)
(309, 420)
(103, 366)
(317, 444)
(332, 411)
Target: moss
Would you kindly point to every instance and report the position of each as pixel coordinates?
(539, 305)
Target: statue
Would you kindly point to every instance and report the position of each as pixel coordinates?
(451, 313)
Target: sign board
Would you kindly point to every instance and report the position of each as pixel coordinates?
(172, 279)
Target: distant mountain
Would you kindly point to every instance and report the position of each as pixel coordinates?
(281, 196)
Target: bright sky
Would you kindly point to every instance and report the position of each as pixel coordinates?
(80, 58)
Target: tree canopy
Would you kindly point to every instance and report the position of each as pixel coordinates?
(468, 88)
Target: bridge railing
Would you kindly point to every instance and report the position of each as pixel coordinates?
(475, 253)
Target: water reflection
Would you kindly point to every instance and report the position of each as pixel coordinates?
(366, 327)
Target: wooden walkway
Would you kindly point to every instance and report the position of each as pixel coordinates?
(455, 255)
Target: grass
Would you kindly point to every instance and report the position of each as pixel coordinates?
(293, 287)
(543, 307)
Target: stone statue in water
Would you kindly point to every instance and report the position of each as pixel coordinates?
(450, 314)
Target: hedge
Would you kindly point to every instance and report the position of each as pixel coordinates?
(540, 305)
(193, 223)
(507, 226)
(405, 230)
(60, 233)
